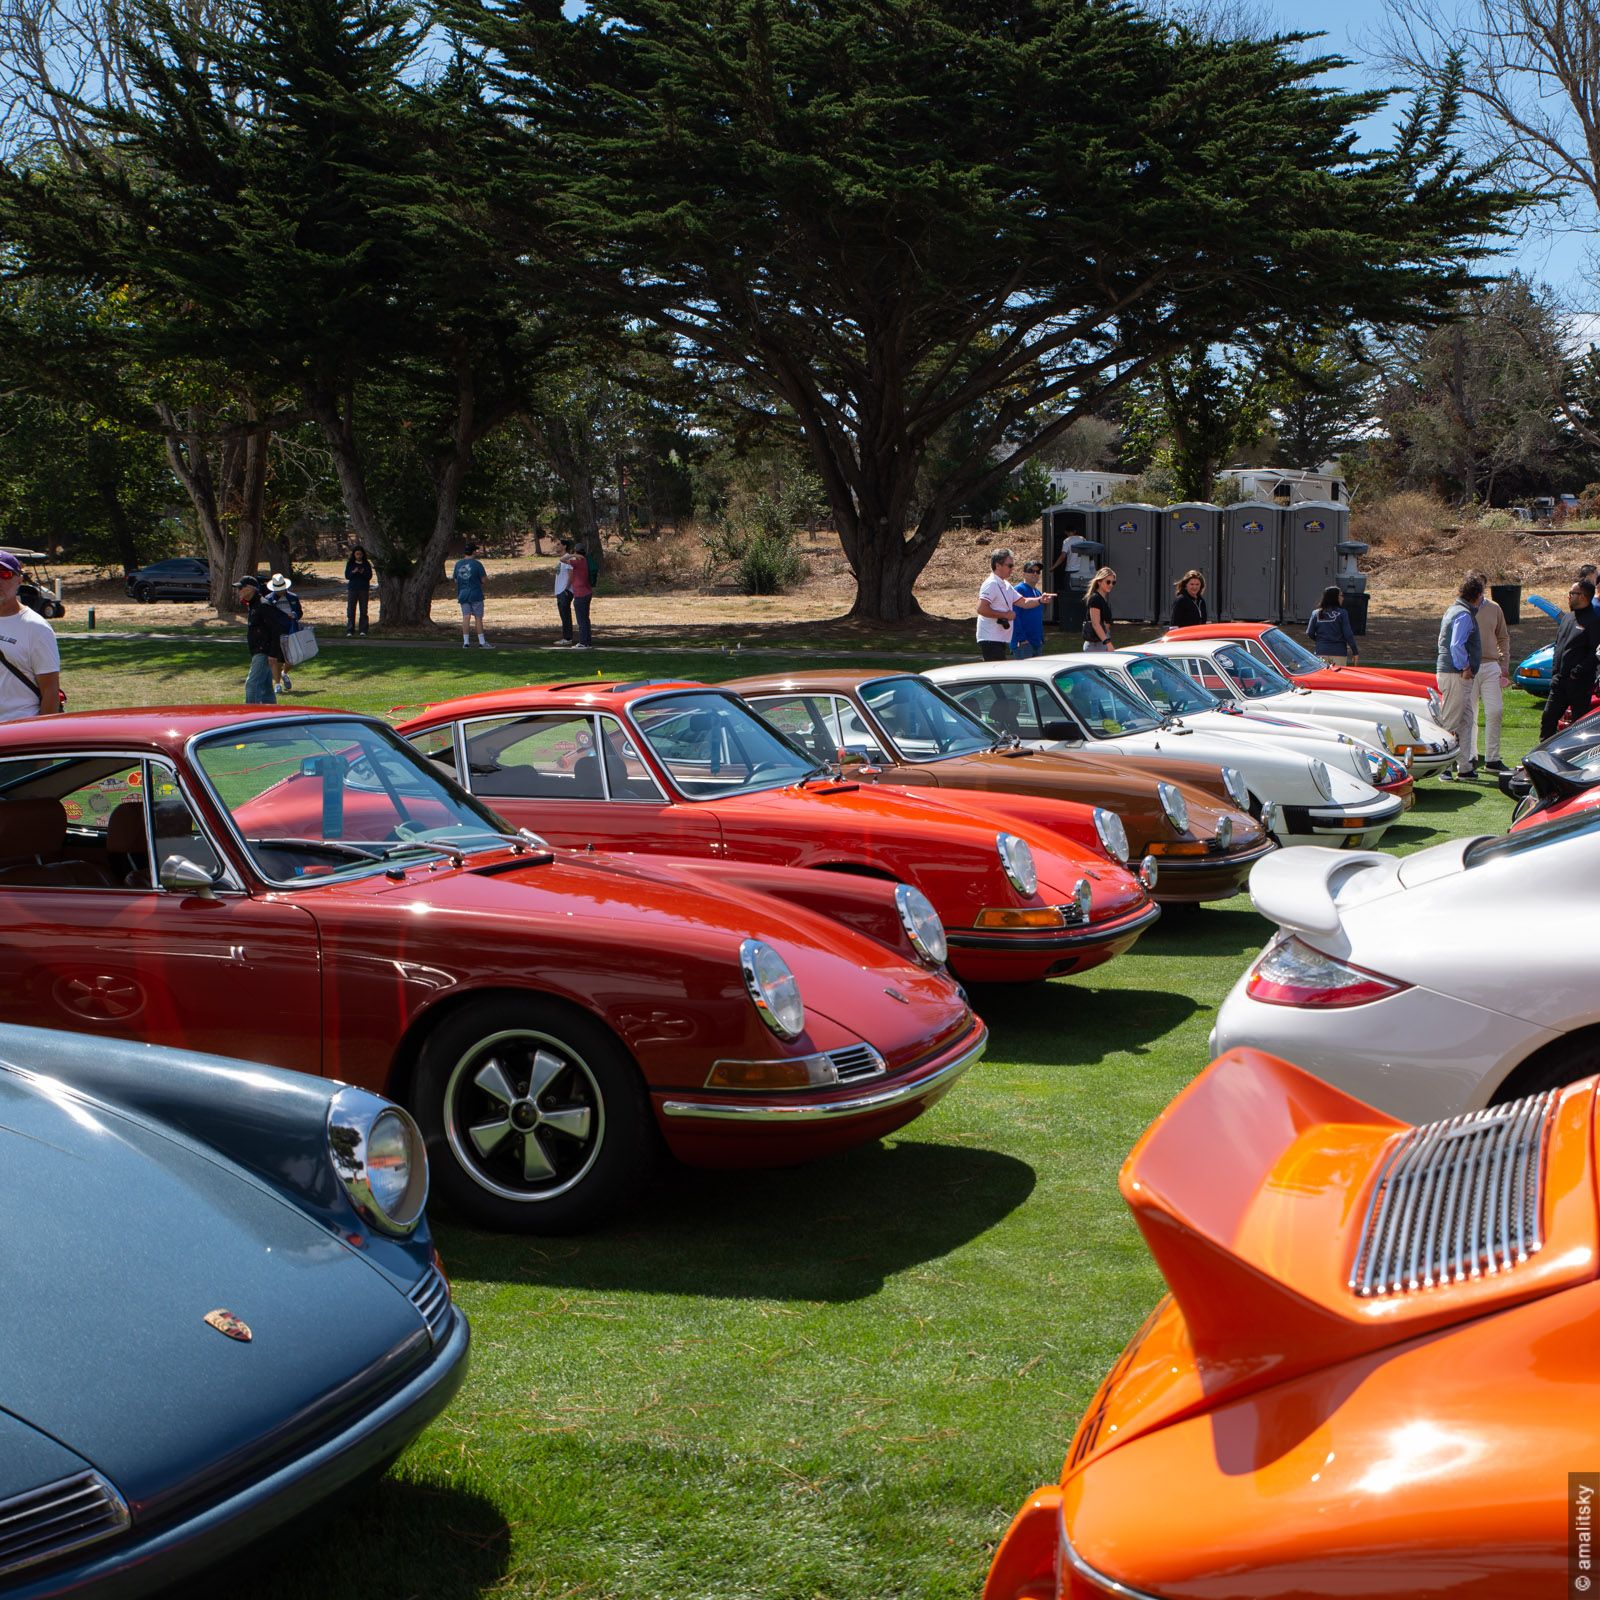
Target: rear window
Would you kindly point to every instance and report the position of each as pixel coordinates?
(1577, 825)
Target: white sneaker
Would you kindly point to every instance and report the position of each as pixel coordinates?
(483, 644)
(562, 644)
(583, 647)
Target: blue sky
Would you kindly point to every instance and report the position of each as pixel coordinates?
(1351, 27)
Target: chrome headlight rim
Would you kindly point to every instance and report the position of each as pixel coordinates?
(1112, 834)
(1238, 790)
(361, 1130)
(1016, 860)
(1322, 778)
(924, 927)
(1435, 704)
(773, 988)
(1149, 873)
(1413, 727)
(1385, 739)
(1376, 765)
(1174, 806)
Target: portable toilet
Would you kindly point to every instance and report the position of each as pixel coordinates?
(1249, 570)
(1312, 534)
(1074, 529)
(1190, 533)
(1129, 533)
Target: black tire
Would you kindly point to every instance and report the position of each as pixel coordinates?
(144, 593)
(1561, 1062)
(536, 1119)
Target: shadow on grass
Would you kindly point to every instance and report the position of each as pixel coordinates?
(1072, 1026)
(448, 1542)
(1440, 798)
(1204, 931)
(831, 1231)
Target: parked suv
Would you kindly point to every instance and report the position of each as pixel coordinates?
(181, 578)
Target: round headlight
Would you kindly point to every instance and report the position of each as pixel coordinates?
(1319, 776)
(1413, 727)
(921, 922)
(1385, 739)
(1269, 817)
(773, 988)
(1082, 899)
(378, 1154)
(1238, 789)
(1017, 859)
(1149, 872)
(1113, 836)
(1175, 806)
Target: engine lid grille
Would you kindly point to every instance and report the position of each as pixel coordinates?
(62, 1516)
(1457, 1199)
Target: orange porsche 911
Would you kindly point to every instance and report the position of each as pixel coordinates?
(1374, 1375)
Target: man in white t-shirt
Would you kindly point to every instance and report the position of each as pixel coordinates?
(998, 604)
(28, 644)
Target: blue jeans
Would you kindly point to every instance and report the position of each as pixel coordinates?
(258, 690)
(1022, 649)
(567, 604)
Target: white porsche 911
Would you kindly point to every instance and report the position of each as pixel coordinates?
(1432, 984)
(1063, 703)
(1231, 672)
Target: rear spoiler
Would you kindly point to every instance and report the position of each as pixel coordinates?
(1296, 888)
(1298, 1228)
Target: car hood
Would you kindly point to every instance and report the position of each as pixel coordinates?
(1094, 777)
(120, 1240)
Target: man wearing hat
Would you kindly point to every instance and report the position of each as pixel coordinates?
(280, 593)
(30, 659)
(264, 630)
(1027, 625)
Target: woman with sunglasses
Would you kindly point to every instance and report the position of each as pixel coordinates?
(1097, 610)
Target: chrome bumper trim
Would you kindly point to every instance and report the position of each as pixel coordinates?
(833, 1110)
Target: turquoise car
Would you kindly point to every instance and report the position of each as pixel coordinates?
(222, 1306)
(1533, 672)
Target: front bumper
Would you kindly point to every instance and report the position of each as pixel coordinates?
(1353, 827)
(1026, 957)
(1187, 879)
(147, 1560)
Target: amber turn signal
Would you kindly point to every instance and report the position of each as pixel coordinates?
(1020, 917)
(795, 1073)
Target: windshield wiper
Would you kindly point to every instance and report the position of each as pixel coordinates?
(523, 840)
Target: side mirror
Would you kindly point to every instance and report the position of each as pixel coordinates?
(1062, 730)
(180, 875)
(851, 758)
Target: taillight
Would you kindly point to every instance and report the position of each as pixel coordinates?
(1291, 973)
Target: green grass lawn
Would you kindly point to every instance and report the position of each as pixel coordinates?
(838, 1381)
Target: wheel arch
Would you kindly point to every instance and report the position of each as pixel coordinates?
(408, 1053)
(1526, 1077)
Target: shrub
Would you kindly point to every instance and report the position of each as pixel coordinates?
(1402, 524)
(758, 547)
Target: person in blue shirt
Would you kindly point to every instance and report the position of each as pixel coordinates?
(468, 576)
(1329, 629)
(1027, 624)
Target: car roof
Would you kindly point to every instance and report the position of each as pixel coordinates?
(1034, 666)
(585, 694)
(166, 728)
(1219, 630)
(815, 678)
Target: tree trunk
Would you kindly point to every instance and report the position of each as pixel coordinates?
(117, 521)
(886, 564)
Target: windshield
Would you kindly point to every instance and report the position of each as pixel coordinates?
(924, 723)
(1575, 825)
(1171, 691)
(1255, 679)
(1104, 704)
(1289, 653)
(334, 797)
(713, 745)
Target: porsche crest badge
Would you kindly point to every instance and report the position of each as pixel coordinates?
(226, 1322)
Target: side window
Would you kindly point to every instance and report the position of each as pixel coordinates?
(1258, 650)
(1045, 709)
(627, 777)
(537, 757)
(854, 737)
(806, 720)
(438, 745)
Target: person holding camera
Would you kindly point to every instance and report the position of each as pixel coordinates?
(998, 604)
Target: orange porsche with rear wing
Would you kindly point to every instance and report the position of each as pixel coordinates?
(1375, 1369)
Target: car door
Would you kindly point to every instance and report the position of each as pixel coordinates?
(90, 941)
(579, 780)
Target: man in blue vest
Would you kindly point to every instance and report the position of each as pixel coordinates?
(1460, 654)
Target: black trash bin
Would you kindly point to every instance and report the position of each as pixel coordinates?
(1356, 605)
(1508, 596)
(1070, 612)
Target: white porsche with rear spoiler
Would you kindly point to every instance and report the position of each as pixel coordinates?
(1435, 983)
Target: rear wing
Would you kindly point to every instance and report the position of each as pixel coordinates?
(1297, 1227)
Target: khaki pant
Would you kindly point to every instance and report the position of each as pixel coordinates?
(1488, 689)
(1456, 714)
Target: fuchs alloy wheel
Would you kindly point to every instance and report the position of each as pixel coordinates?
(536, 1119)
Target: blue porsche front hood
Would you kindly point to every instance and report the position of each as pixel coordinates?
(119, 1240)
